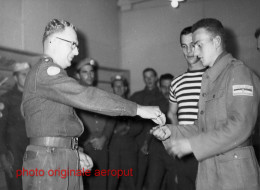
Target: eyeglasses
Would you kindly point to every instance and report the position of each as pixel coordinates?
(73, 44)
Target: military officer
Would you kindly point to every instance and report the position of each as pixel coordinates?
(51, 123)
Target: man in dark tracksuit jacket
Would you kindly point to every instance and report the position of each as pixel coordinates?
(123, 150)
(51, 123)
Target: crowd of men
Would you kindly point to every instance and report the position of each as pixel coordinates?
(67, 123)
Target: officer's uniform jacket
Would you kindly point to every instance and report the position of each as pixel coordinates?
(49, 98)
(221, 138)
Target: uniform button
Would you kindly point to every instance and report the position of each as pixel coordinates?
(203, 94)
(235, 156)
(214, 96)
(201, 112)
(52, 150)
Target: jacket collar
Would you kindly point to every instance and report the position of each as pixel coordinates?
(220, 64)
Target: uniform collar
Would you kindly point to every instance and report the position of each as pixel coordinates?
(48, 59)
(220, 64)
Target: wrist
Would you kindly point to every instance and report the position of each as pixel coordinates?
(138, 109)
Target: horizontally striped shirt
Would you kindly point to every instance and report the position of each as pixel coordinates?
(185, 91)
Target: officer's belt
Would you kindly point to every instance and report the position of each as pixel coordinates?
(58, 142)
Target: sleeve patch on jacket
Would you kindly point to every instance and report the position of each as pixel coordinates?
(53, 70)
(243, 90)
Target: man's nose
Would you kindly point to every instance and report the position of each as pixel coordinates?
(76, 51)
(195, 51)
(190, 49)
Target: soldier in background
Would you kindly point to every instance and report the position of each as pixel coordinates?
(13, 139)
(123, 147)
(98, 130)
(162, 169)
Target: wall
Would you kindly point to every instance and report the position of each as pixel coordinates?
(23, 21)
(150, 33)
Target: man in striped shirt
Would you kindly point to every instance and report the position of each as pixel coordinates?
(183, 108)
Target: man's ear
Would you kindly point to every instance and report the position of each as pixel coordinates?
(217, 41)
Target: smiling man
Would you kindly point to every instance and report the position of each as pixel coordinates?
(51, 123)
(183, 106)
(221, 138)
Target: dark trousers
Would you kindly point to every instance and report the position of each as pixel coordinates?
(161, 168)
(122, 156)
(97, 180)
(187, 168)
(142, 169)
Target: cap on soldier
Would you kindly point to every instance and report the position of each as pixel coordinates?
(118, 77)
(20, 66)
(87, 61)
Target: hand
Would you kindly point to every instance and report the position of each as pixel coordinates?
(144, 148)
(151, 112)
(180, 147)
(98, 143)
(6, 165)
(161, 132)
(85, 161)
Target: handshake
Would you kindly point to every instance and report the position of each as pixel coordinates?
(151, 112)
(175, 147)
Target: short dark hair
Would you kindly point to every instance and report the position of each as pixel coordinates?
(54, 26)
(150, 69)
(185, 31)
(213, 26)
(166, 76)
(257, 33)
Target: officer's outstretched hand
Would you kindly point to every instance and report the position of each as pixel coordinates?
(151, 112)
(161, 132)
(85, 161)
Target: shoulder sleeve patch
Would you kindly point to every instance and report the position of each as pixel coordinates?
(52, 70)
(243, 90)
